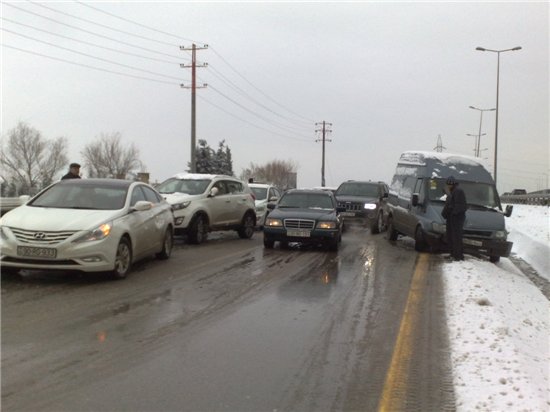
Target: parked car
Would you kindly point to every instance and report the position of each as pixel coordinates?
(89, 225)
(417, 197)
(203, 203)
(305, 216)
(263, 193)
(365, 202)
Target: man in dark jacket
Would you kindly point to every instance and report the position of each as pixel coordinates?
(456, 210)
(74, 172)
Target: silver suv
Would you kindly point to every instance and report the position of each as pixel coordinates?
(204, 203)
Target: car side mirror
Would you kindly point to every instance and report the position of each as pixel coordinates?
(508, 211)
(24, 199)
(142, 205)
(213, 192)
(271, 206)
(385, 195)
(273, 199)
(414, 199)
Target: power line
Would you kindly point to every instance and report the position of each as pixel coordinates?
(90, 56)
(89, 67)
(91, 32)
(89, 43)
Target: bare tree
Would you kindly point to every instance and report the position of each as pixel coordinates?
(281, 173)
(107, 157)
(31, 161)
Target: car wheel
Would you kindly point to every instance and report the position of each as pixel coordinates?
(376, 226)
(333, 245)
(268, 243)
(247, 229)
(167, 245)
(420, 244)
(283, 244)
(392, 233)
(381, 225)
(494, 259)
(198, 230)
(10, 271)
(123, 259)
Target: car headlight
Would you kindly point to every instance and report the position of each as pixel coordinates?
(439, 227)
(100, 232)
(326, 225)
(501, 234)
(182, 205)
(273, 222)
(370, 206)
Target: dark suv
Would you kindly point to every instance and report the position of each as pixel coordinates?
(365, 203)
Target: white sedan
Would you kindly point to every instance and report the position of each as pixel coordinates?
(89, 225)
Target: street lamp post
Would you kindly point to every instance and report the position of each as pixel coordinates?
(496, 118)
(476, 142)
(480, 120)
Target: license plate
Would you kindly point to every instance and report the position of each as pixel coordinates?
(37, 252)
(349, 214)
(472, 242)
(298, 233)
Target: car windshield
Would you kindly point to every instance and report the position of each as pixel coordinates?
(260, 192)
(306, 201)
(187, 186)
(357, 189)
(480, 194)
(82, 197)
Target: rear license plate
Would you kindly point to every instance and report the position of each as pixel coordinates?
(38, 252)
(472, 242)
(298, 233)
(348, 214)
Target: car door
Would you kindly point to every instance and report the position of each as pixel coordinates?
(240, 201)
(159, 218)
(141, 224)
(220, 205)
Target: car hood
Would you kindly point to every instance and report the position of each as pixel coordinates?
(292, 213)
(174, 198)
(55, 219)
(356, 199)
(478, 219)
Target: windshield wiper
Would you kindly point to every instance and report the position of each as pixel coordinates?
(289, 207)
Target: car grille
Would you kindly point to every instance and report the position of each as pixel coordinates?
(351, 206)
(43, 238)
(299, 224)
(478, 233)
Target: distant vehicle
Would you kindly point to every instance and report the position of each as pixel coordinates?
(205, 202)
(365, 202)
(519, 192)
(89, 225)
(304, 216)
(263, 193)
(417, 196)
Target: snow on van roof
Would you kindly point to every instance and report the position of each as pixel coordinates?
(419, 158)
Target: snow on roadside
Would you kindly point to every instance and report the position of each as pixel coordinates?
(498, 321)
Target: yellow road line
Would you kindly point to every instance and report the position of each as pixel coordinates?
(395, 385)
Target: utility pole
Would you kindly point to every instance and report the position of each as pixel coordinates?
(324, 131)
(193, 88)
(439, 148)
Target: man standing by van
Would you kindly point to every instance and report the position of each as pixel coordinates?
(456, 215)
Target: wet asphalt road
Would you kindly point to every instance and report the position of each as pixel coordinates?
(224, 326)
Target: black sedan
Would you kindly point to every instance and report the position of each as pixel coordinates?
(304, 216)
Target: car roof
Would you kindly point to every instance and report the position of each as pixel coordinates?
(370, 182)
(198, 176)
(310, 191)
(260, 185)
(98, 182)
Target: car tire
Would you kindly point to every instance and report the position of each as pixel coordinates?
(376, 226)
(123, 259)
(392, 233)
(247, 227)
(10, 271)
(494, 259)
(167, 244)
(283, 244)
(333, 245)
(268, 243)
(198, 230)
(420, 244)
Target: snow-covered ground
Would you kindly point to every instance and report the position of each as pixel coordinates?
(498, 321)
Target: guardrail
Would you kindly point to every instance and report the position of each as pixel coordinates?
(528, 199)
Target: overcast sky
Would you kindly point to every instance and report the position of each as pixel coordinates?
(389, 77)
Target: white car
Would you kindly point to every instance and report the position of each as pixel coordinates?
(89, 225)
(264, 194)
(205, 202)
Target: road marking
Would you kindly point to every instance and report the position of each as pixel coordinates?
(395, 385)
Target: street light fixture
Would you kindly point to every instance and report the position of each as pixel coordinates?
(496, 119)
(480, 120)
(476, 142)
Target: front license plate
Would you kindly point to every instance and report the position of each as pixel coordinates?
(472, 242)
(348, 214)
(298, 233)
(37, 252)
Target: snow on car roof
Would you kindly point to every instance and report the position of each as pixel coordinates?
(419, 157)
(197, 176)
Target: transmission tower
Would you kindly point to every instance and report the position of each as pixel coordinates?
(439, 148)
